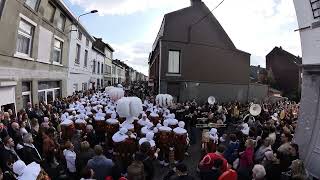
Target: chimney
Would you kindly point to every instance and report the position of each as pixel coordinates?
(194, 2)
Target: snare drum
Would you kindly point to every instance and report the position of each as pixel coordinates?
(81, 125)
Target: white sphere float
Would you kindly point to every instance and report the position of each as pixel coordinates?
(164, 100)
(107, 89)
(116, 93)
(129, 107)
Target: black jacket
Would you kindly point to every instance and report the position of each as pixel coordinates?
(6, 155)
(29, 155)
(148, 167)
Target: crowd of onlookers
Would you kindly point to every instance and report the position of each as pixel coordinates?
(263, 148)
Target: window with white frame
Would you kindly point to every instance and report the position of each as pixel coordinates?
(108, 69)
(101, 68)
(26, 93)
(33, 4)
(98, 71)
(315, 5)
(98, 83)
(94, 66)
(85, 58)
(49, 12)
(79, 35)
(25, 37)
(174, 62)
(48, 91)
(78, 50)
(57, 51)
(61, 22)
(113, 70)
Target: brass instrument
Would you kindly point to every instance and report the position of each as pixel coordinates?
(211, 125)
(255, 109)
(211, 100)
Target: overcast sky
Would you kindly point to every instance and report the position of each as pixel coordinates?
(130, 26)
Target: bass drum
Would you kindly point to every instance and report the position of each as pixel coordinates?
(180, 146)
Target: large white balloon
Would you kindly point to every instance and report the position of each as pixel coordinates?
(107, 89)
(135, 106)
(129, 107)
(123, 108)
(164, 100)
(116, 93)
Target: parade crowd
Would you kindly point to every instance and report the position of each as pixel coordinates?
(104, 135)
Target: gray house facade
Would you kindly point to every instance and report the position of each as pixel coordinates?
(34, 48)
(194, 58)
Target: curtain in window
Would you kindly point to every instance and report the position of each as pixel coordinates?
(23, 44)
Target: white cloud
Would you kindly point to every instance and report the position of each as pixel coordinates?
(135, 54)
(255, 26)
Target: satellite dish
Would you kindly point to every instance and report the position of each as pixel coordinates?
(211, 100)
(255, 109)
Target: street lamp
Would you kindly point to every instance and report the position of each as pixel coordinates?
(91, 12)
(78, 19)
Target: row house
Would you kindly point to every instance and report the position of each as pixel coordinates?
(97, 58)
(118, 72)
(307, 132)
(34, 51)
(80, 69)
(46, 53)
(191, 55)
(102, 63)
(283, 69)
(108, 65)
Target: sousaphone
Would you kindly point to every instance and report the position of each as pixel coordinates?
(255, 109)
(211, 100)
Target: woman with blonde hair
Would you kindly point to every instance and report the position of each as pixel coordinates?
(298, 170)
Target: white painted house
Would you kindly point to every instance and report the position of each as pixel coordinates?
(108, 65)
(80, 70)
(98, 63)
(307, 133)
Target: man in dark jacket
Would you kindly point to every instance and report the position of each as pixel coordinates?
(29, 153)
(147, 162)
(101, 166)
(8, 152)
(180, 173)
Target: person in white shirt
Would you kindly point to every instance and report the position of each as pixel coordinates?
(70, 157)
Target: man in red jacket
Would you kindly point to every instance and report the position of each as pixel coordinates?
(207, 162)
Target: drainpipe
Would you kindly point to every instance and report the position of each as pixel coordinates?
(160, 46)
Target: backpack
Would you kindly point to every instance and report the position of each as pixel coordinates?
(136, 171)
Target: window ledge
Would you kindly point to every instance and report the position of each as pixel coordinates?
(174, 75)
(77, 65)
(42, 61)
(23, 56)
(57, 64)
